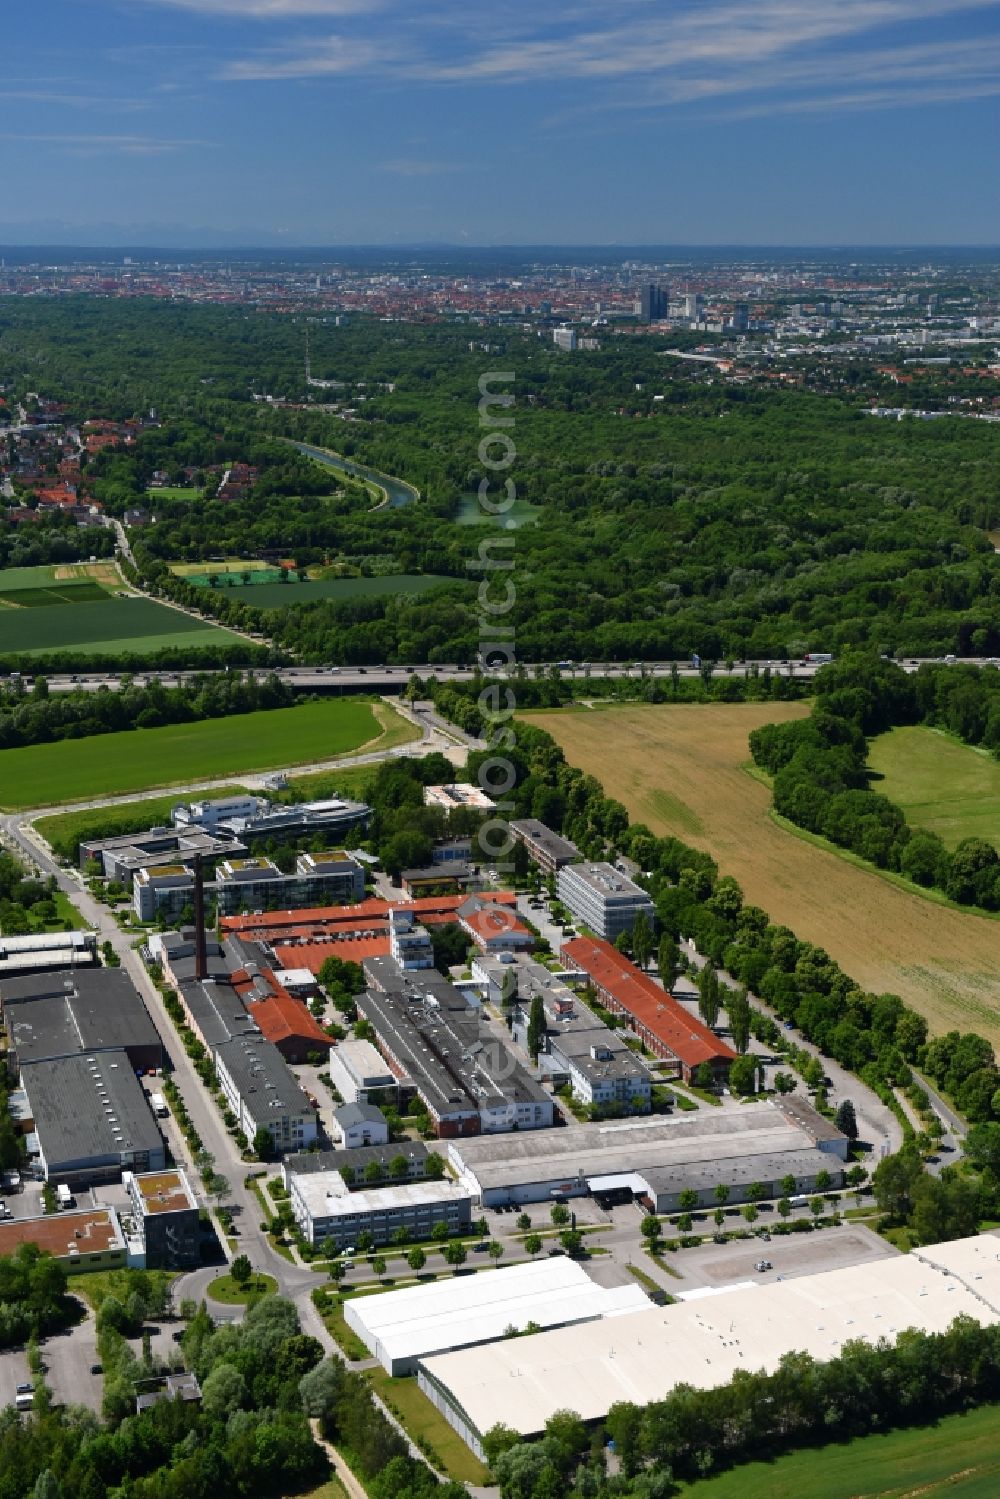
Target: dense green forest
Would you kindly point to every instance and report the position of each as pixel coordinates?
(677, 512)
(822, 782)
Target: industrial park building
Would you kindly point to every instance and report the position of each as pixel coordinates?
(577, 1048)
(655, 1161)
(356, 1163)
(401, 1327)
(659, 1020)
(68, 1011)
(600, 897)
(546, 849)
(41, 952)
(328, 1211)
(89, 1119)
(643, 1356)
(263, 1093)
(357, 1068)
(165, 1218)
(91, 1239)
(469, 1079)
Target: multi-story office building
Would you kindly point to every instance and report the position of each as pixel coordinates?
(165, 1218)
(328, 1212)
(565, 339)
(263, 1094)
(546, 849)
(409, 942)
(653, 302)
(600, 897)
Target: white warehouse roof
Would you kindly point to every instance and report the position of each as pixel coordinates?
(641, 1357)
(401, 1326)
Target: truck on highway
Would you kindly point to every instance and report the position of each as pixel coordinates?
(818, 658)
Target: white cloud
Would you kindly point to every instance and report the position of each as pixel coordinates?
(563, 41)
(272, 10)
(129, 145)
(332, 55)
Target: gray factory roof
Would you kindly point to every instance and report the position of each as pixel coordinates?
(307, 1162)
(438, 1038)
(740, 1170)
(263, 1078)
(89, 1108)
(756, 1129)
(72, 1010)
(217, 1011)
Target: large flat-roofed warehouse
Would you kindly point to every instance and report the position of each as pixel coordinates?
(403, 1326)
(62, 1013)
(91, 1119)
(467, 1076)
(657, 1159)
(641, 1357)
(46, 950)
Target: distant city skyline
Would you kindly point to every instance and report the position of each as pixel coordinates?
(311, 123)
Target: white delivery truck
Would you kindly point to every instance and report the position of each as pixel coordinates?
(158, 1104)
(64, 1196)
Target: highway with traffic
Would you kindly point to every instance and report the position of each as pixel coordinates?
(382, 678)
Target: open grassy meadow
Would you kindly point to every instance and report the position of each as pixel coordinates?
(140, 759)
(681, 770)
(84, 606)
(958, 1458)
(267, 591)
(942, 785)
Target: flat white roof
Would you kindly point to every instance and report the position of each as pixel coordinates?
(324, 1194)
(419, 1320)
(641, 1357)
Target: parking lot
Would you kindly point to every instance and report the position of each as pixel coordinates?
(66, 1363)
(790, 1254)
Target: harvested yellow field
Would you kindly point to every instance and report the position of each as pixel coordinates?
(681, 770)
(96, 572)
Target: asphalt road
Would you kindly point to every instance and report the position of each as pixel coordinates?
(378, 678)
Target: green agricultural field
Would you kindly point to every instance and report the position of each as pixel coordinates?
(266, 592)
(958, 1458)
(112, 624)
(942, 785)
(140, 759)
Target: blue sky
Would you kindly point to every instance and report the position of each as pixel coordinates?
(311, 122)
